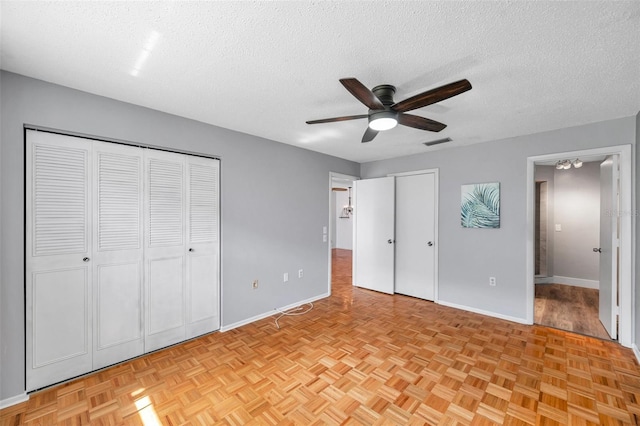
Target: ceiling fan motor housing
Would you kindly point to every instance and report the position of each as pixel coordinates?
(385, 93)
(384, 118)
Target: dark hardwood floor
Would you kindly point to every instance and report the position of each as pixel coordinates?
(569, 308)
(359, 358)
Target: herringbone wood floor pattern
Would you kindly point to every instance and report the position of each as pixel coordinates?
(359, 358)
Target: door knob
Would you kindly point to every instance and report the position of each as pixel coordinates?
(191, 249)
(430, 243)
(86, 259)
(597, 249)
(390, 241)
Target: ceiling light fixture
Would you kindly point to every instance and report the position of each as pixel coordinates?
(566, 164)
(347, 210)
(383, 120)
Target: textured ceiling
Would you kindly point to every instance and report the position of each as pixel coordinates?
(264, 68)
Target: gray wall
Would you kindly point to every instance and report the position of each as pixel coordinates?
(547, 174)
(274, 203)
(577, 211)
(468, 257)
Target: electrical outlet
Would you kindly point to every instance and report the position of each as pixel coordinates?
(254, 284)
(492, 281)
(300, 273)
(285, 277)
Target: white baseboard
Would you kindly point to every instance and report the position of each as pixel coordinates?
(4, 403)
(576, 282)
(483, 312)
(271, 313)
(636, 351)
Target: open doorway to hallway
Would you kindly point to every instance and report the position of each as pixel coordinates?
(619, 308)
(341, 225)
(568, 258)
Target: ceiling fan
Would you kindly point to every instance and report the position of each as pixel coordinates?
(385, 114)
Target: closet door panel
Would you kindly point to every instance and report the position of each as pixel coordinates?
(203, 291)
(165, 227)
(203, 300)
(118, 314)
(118, 253)
(58, 275)
(166, 294)
(59, 337)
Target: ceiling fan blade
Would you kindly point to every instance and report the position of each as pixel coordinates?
(369, 134)
(331, 120)
(420, 122)
(432, 96)
(361, 92)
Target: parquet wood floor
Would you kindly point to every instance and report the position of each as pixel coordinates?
(359, 358)
(569, 308)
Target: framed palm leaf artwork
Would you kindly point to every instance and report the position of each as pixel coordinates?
(480, 205)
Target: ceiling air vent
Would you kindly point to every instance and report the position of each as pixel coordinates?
(437, 141)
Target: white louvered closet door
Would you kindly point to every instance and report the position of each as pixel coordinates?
(203, 246)
(165, 249)
(122, 253)
(58, 244)
(118, 253)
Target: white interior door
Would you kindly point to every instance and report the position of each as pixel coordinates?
(118, 253)
(375, 234)
(609, 245)
(165, 269)
(58, 263)
(415, 235)
(203, 303)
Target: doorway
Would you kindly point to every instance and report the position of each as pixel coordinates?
(621, 307)
(567, 223)
(340, 232)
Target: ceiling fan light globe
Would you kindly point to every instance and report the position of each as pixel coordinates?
(381, 124)
(383, 120)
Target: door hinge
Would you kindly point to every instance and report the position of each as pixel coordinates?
(618, 310)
